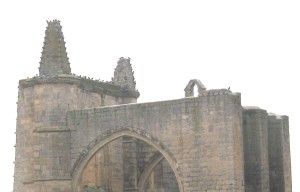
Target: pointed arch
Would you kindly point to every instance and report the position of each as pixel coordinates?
(139, 134)
(155, 160)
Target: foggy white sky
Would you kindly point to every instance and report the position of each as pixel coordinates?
(252, 46)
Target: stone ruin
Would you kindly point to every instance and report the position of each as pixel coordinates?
(78, 134)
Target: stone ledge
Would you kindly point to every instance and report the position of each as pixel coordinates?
(251, 108)
(46, 179)
(51, 129)
(274, 115)
(84, 83)
(131, 189)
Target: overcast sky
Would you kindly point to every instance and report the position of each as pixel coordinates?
(252, 46)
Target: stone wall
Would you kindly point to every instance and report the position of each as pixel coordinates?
(43, 139)
(208, 142)
(24, 159)
(203, 134)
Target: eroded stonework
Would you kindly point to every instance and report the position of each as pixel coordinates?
(77, 134)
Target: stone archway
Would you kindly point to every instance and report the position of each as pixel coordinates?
(141, 135)
(189, 89)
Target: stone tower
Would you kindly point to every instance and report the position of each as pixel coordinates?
(76, 134)
(43, 158)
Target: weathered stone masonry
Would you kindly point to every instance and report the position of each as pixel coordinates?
(79, 134)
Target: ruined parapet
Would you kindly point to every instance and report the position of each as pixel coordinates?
(54, 59)
(189, 89)
(202, 91)
(218, 92)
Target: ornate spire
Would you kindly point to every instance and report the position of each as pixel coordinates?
(54, 58)
(123, 75)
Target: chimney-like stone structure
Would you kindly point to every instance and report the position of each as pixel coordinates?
(54, 59)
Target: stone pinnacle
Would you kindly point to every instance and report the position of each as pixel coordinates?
(54, 59)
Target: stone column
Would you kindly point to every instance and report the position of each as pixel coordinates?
(130, 164)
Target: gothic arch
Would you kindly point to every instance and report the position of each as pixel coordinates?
(189, 89)
(80, 165)
(155, 160)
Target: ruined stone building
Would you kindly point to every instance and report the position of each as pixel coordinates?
(78, 134)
